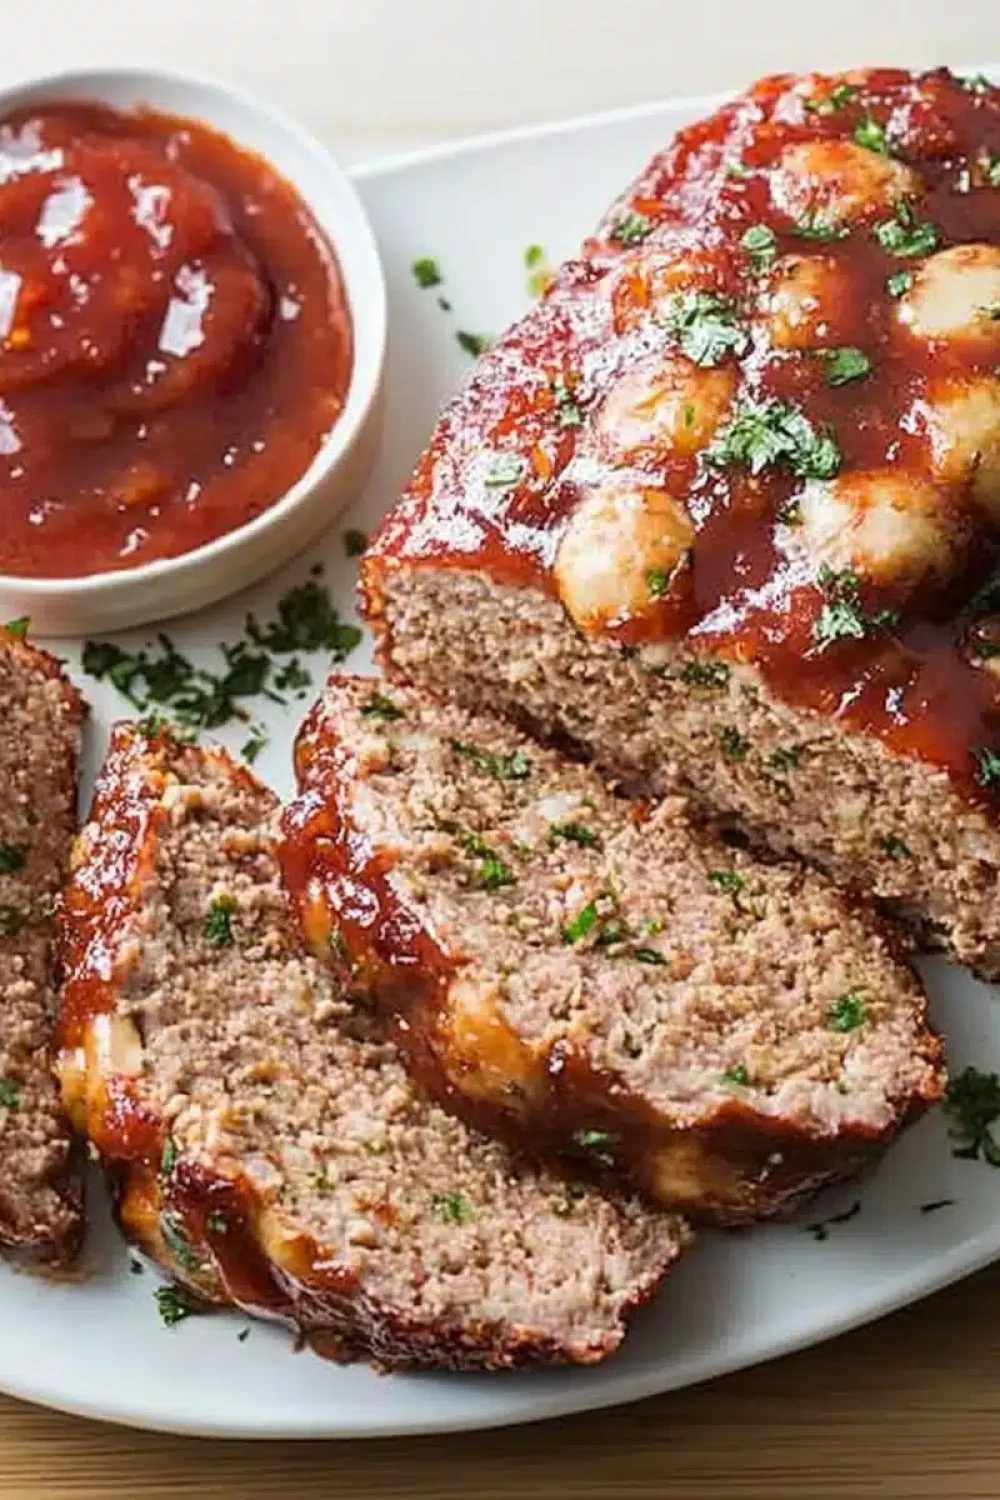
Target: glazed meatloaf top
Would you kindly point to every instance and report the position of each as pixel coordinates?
(268, 1145)
(760, 412)
(578, 972)
(41, 1220)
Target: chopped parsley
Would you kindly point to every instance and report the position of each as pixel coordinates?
(253, 746)
(381, 707)
(821, 1230)
(505, 470)
(847, 1012)
(598, 1143)
(426, 273)
(306, 621)
(738, 170)
(971, 1108)
(355, 542)
(760, 243)
(648, 956)
(936, 1203)
(785, 760)
(582, 924)
(173, 1305)
(217, 1223)
(320, 1179)
(513, 767)
(575, 833)
(136, 1267)
(539, 273)
(658, 582)
(706, 327)
(567, 409)
(218, 925)
(836, 99)
(10, 1093)
(728, 881)
(454, 1208)
(987, 766)
(899, 283)
(493, 872)
(976, 83)
(19, 628)
(814, 227)
(705, 674)
(870, 134)
(769, 433)
(11, 920)
(989, 165)
(842, 616)
(738, 1075)
(906, 234)
(893, 846)
(632, 228)
(12, 858)
(845, 364)
(168, 1156)
(473, 343)
(734, 745)
(177, 1242)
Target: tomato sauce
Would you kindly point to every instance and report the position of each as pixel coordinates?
(175, 340)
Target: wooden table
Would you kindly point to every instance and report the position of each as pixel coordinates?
(907, 1409)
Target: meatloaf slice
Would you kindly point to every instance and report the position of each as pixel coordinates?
(574, 971)
(41, 1183)
(724, 509)
(267, 1144)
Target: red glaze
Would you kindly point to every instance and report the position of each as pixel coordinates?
(915, 688)
(174, 338)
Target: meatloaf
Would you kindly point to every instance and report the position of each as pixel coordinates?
(41, 1184)
(579, 973)
(267, 1145)
(723, 511)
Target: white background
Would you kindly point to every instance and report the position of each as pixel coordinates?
(371, 75)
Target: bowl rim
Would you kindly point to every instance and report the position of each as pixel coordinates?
(369, 324)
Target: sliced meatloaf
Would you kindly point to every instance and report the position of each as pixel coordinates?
(267, 1145)
(723, 511)
(580, 973)
(41, 1184)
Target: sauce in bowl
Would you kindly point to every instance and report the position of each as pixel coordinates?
(175, 341)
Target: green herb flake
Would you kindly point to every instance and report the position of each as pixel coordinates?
(426, 273)
(906, 234)
(771, 433)
(845, 364)
(10, 1093)
(513, 767)
(218, 925)
(821, 1230)
(632, 228)
(583, 923)
(847, 1012)
(454, 1207)
(705, 674)
(760, 243)
(217, 1223)
(539, 273)
(987, 766)
(728, 881)
(935, 1204)
(786, 759)
(734, 745)
(648, 956)
(976, 83)
(320, 1179)
(136, 1267)
(243, 1335)
(381, 707)
(738, 1075)
(814, 227)
(177, 1242)
(872, 136)
(738, 170)
(989, 166)
(575, 833)
(971, 1108)
(355, 542)
(658, 582)
(567, 408)
(706, 327)
(252, 747)
(473, 343)
(505, 470)
(19, 628)
(599, 1144)
(494, 873)
(168, 1156)
(12, 858)
(306, 621)
(893, 846)
(172, 1304)
(899, 283)
(842, 616)
(836, 99)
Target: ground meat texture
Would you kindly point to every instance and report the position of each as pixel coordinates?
(41, 1185)
(267, 1144)
(738, 474)
(584, 974)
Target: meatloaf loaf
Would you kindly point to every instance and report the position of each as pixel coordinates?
(723, 511)
(267, 1144)
(576, 972)
(41, 1184)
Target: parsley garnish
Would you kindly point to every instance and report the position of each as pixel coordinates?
(513, 767)
(971, 1107)
(658, 582)
(821, 1230)
(784, 760)
(253, 746)
(177, 1242)
(706, 674)
(870, 134)
(935, 1204)
(19, 628)
(847, 1012)
(760, 243)
(738, 1075)
(172, 1304)
(473, 343)
(493, 872)
(168, 1156)
(989, 164)
(894, 847)
(814, 227)
(505, 470)
(217, 1223)
(306, 621)
(734, 744)
(599, 1143)
(906, 235)
(976, 83)
(12, 859)
(539, 274)
(567, 410)
(218, 925)
(320, 1179)
(381, 707)
(575, 833)
(987, 766)
(706, 327)
(842, 616)
(426, 273)
(11, 920)
(10, 1093)
(648, 956)
(355, 542)
(771, 433)
(454, 1208)
(845, 364)
(632, 228)
(579, 926)
(729, 881)
(836, 99)
(899, 283)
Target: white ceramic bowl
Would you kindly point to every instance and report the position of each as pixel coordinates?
(157, 590)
